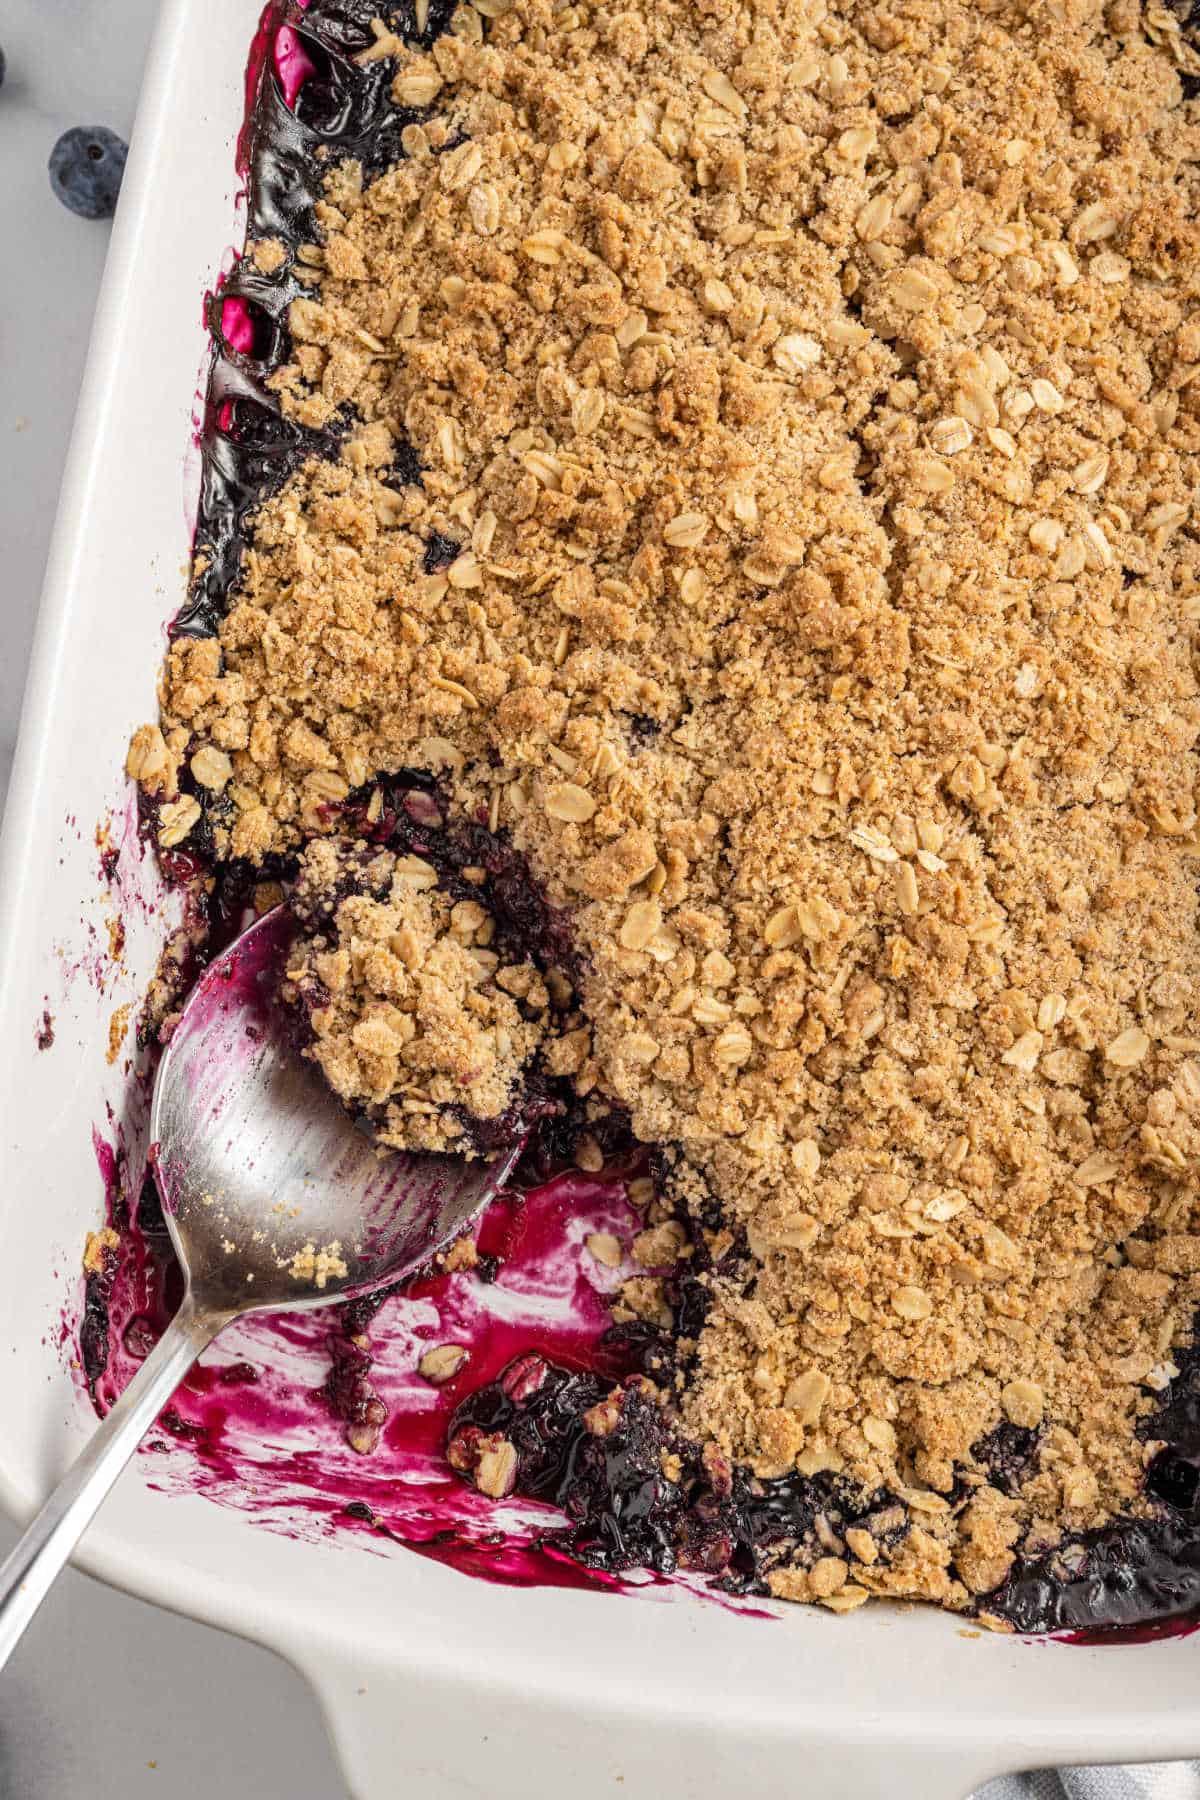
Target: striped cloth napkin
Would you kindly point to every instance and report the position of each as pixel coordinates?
(1138, 1781)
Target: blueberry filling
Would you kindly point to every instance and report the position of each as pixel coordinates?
(94, 1329)
(596, 1452)
(351, 1395)
(1135, 1570)
(440, 552)
(599, 1452)
(249, 449)
(1009, 1454)
(639, 1494)
(412, 818)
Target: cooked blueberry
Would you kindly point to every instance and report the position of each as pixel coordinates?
(440, 552)
(643, 730)
(1009, 1454)
(86, 168)
(93, 1332)
(1174, 1480)
(405, 470)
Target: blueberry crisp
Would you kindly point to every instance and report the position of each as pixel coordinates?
(695, 608)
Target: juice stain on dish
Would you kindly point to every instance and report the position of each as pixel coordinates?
(251, 1426)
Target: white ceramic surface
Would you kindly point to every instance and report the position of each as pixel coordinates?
(420, 1672)
(109, 1698)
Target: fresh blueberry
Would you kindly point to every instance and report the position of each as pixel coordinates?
(86, 166)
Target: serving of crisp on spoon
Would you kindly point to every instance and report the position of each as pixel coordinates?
(273, 1197)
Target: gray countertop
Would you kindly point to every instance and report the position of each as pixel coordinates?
(107, 1698)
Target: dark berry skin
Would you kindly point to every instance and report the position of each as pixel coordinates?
(440, 552)
(86, 169)
(1009, 1454)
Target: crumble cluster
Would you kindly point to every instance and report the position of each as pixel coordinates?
(805, 574)
(414, 1019)
(317, 1267)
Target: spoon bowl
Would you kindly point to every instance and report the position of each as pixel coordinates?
(273, 1196)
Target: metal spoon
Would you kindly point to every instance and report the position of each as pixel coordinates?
(273, 1198)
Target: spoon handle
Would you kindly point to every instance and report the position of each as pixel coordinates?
(29, 1569)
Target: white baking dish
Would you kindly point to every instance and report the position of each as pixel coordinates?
(421, 1671)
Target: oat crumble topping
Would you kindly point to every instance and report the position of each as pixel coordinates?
(805, 576)
(317, 1267)
(413, 1016)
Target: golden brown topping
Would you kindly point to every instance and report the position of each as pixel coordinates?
(813, 405)
(413, 1017)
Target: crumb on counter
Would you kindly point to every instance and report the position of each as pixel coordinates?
(118, 1025)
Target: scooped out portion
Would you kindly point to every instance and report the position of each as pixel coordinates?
(416, 1018)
